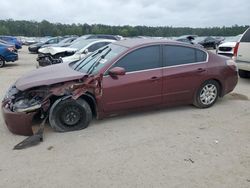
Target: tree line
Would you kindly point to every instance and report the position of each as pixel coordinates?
(46, 28)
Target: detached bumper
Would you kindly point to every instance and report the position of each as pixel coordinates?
(18, 123)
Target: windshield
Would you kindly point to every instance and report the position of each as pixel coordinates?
(95, 61)
(79, 44)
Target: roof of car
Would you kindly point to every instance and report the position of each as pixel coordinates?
(129, 43)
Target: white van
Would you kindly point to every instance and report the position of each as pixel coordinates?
(242, 55)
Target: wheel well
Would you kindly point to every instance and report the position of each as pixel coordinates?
(90, 99)
(2, 57)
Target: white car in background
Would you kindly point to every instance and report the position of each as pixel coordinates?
(77, 50)
(91, 47)
(227, 47)
(242, 54)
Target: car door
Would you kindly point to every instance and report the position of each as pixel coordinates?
(141, 85)
(185, 69)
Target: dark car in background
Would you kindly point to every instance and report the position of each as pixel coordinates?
(35, 47)
(12, 40)
(211, 42)
(125, 76)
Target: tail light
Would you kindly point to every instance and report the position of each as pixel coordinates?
(11, 49)
(236, 49)
(231, 63)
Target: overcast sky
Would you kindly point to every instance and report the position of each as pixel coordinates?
(190, 13)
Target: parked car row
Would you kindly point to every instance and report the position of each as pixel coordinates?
(67, 40)
(121, 77)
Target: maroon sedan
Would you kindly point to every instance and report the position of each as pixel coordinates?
(121, 77)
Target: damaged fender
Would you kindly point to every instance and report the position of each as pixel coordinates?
(20, 109)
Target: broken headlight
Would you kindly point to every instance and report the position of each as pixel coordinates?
(26, 105)
(11, 92)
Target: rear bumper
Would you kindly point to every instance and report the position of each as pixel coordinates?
(230, 83)
(11, 57)
(243, 65)
(18, 123)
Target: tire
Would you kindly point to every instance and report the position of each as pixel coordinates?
(244, 74)
(207, 94)
(2, 62)
(70, 115)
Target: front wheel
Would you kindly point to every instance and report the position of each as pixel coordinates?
(70, 115)
(2, 62)
(207, 94)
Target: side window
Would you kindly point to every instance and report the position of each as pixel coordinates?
(141, 59)
(246, 36)
(179, 55)
(52, 41)
(200, 56)
(96, 46)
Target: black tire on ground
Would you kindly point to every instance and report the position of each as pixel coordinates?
(2, 62)
(70, 115)
(207, 94)
(244, 74)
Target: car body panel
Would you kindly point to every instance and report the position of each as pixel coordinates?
(143, 89)
(48, 76)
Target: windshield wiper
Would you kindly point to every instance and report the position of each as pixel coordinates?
(93, 55)
(97, 62)
(80, 63)
(100, 51)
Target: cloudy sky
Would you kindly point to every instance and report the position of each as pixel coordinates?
(190, 13)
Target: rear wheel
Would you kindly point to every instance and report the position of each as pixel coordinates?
(70, 115)
(207, 94)
(244, 74)
(2, 62)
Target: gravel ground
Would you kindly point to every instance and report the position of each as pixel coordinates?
(174, 147)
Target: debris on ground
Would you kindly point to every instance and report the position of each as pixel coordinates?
(32, 140)
(50, 148)
(189, 160)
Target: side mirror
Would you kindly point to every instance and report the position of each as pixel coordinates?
(114, 72)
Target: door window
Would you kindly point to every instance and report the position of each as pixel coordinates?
(141, 59)
(179, 55)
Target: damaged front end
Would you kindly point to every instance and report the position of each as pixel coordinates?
(48, 59)
(22, 108)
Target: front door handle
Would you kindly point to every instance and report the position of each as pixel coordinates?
(154, 78)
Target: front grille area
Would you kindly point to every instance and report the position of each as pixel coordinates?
(225, 49)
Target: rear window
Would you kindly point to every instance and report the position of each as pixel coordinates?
(246, 36)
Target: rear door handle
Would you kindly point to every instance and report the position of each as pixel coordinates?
(201, 70)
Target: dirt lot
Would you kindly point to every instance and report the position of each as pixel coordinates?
(175, 147)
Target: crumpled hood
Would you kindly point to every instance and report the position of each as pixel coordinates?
(48, 76)
(55, 50)
(228, 44)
